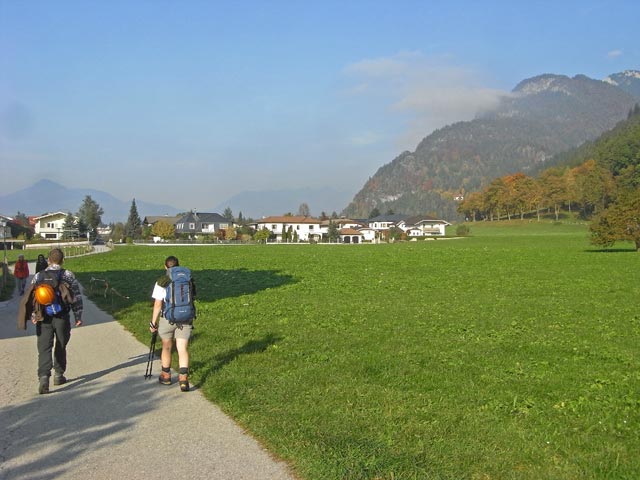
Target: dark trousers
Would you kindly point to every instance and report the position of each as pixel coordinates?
(46, 331)
(22, 282)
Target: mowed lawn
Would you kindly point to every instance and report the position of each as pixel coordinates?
(510, 354)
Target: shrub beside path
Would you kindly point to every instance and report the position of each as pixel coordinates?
(108, 422)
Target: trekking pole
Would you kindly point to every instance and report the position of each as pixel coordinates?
(152, 351)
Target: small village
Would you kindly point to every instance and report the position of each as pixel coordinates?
(204, 227)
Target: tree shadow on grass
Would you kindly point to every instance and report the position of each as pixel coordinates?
(612, 250)
(215, 363)
(116, 290)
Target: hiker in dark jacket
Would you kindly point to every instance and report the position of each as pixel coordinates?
(57, 326)
(41, 263)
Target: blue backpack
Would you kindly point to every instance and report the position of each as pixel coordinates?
(178, 302)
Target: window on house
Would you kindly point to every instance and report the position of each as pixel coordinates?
(51, 225)
(205, 226)
(223, 226)
(310, 227)
(192, 226)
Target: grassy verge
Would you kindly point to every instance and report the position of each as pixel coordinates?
(7, 284)
(509, 354)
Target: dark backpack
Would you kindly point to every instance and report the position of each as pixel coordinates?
(53, 279)
(178, 302)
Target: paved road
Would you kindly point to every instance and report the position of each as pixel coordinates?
(108, 422)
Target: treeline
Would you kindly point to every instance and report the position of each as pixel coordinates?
(600, 181)
(585, 189)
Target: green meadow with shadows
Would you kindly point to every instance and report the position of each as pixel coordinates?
(509, 354)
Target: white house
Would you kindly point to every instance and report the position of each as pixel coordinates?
(305, 228)
(50, 226)
(413, 226)
(385, 222)
(368, 234)
(423, 226)
(340, 223)
(350, 235)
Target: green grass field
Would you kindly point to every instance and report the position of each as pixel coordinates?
(510, 354)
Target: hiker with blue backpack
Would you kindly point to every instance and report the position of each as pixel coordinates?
(52, 295)
(172, 318)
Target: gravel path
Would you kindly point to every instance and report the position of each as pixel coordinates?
(108, 422)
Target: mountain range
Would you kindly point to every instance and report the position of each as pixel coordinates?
(542, 117)
(46, 196)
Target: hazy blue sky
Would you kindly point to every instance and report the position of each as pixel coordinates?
(190, 102)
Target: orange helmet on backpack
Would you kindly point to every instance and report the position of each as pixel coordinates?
(44, 294)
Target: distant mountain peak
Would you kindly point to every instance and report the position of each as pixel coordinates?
(627, 75)
(543, 83)
(549, 82)
(628, 80)
(46, 183)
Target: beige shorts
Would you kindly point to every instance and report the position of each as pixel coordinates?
(168, 331)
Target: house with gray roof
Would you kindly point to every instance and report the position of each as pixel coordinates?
(194, 223)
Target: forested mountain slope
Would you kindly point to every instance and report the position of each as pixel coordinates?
(615, 150)
(544, 116)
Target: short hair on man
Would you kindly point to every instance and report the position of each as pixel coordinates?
(171, 262)
(56, 256)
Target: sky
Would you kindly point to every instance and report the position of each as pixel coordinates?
(189, 103)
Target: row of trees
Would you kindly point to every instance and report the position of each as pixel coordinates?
(604, 188)
(586, 189)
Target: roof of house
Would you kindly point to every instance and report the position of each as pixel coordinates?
(51, 214)
(349, 231)
(340, 221)
(151, 219)
(203, 217)
(417, 219)
(289, 219)
(393, 218)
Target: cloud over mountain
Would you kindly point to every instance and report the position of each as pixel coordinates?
(430, 92)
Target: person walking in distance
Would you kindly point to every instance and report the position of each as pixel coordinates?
(52, 317)
(174, 300)
(21, 272)
(41, 263)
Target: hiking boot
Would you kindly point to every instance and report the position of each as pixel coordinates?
(43, 385)
(59, 380)
(183, 380)
(165, 378)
